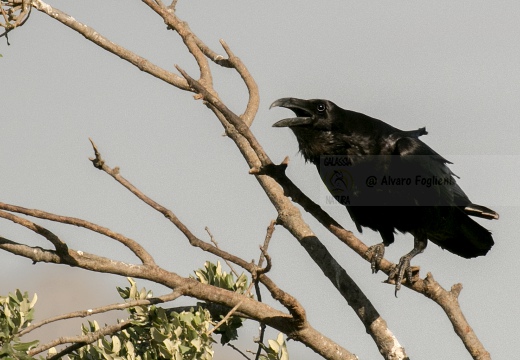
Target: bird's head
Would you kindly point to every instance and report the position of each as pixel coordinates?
(313, 126)
(313, 114)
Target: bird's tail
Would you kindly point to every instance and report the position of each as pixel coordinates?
(481, 211)
(463, 236)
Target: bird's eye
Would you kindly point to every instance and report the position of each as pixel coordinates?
(321, 107)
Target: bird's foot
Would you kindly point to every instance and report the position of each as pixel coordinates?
(375, 253)
(402, 271)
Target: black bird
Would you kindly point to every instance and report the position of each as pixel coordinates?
(412, 190)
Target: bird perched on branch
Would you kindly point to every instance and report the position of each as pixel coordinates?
(389, 180)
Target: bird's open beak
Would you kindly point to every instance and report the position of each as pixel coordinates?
(297, 121)
(303, 116)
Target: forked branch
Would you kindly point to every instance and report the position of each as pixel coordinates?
(285, 299)
(131, 244)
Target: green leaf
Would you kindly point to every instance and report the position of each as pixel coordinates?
(170, 346)
(186, 317)
(197, 343)
(19, 295)
(157, 336)
(274, 345)
(133, 289)
(279, 339)
(116, 344)
(178, 331)
(285, 352)
(161, 317)
(184, 349)
(218, 270)
(130, 350)
(25, 346)
(124, 293)
(33, 301)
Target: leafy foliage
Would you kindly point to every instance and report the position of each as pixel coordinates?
(277, 349)
(16, 313)
(155, 333)
(149, 333)
(213, 274)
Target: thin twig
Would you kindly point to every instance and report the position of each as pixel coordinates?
(211, 307)
(67, 350)
(252, 88)
(118, 306)
(98, 39)
(132, 245)
(59, 245)
(173, 5)
(83, 339)
(262, 325)
(267, 268)
(229, 314)
(187, 37)
(230, 116)
(267, 239)
(268, 236)
(238, 350)
(212, 239)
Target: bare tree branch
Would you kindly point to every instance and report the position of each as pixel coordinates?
(69, 349)
(17, 12)
(60, 246)
(229, 314)
(294, 327)
(187, 287)
(252, 87)
(172, 5)
(285, 299)
(125, 54)
(103, 309)
(186, 34)
(449, 302)
(263, 248)
(133, 245)
(268, 236)
(229, 115)
(238, 350)
(428, 286)
(82, 339)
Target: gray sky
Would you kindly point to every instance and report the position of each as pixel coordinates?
(450, 66)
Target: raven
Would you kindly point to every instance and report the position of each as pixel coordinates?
(412, 190)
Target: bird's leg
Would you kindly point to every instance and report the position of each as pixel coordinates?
(403, 268)
(376, 254)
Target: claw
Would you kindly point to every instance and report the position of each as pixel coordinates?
(400, 272)
(376, 253)
(403, 269)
